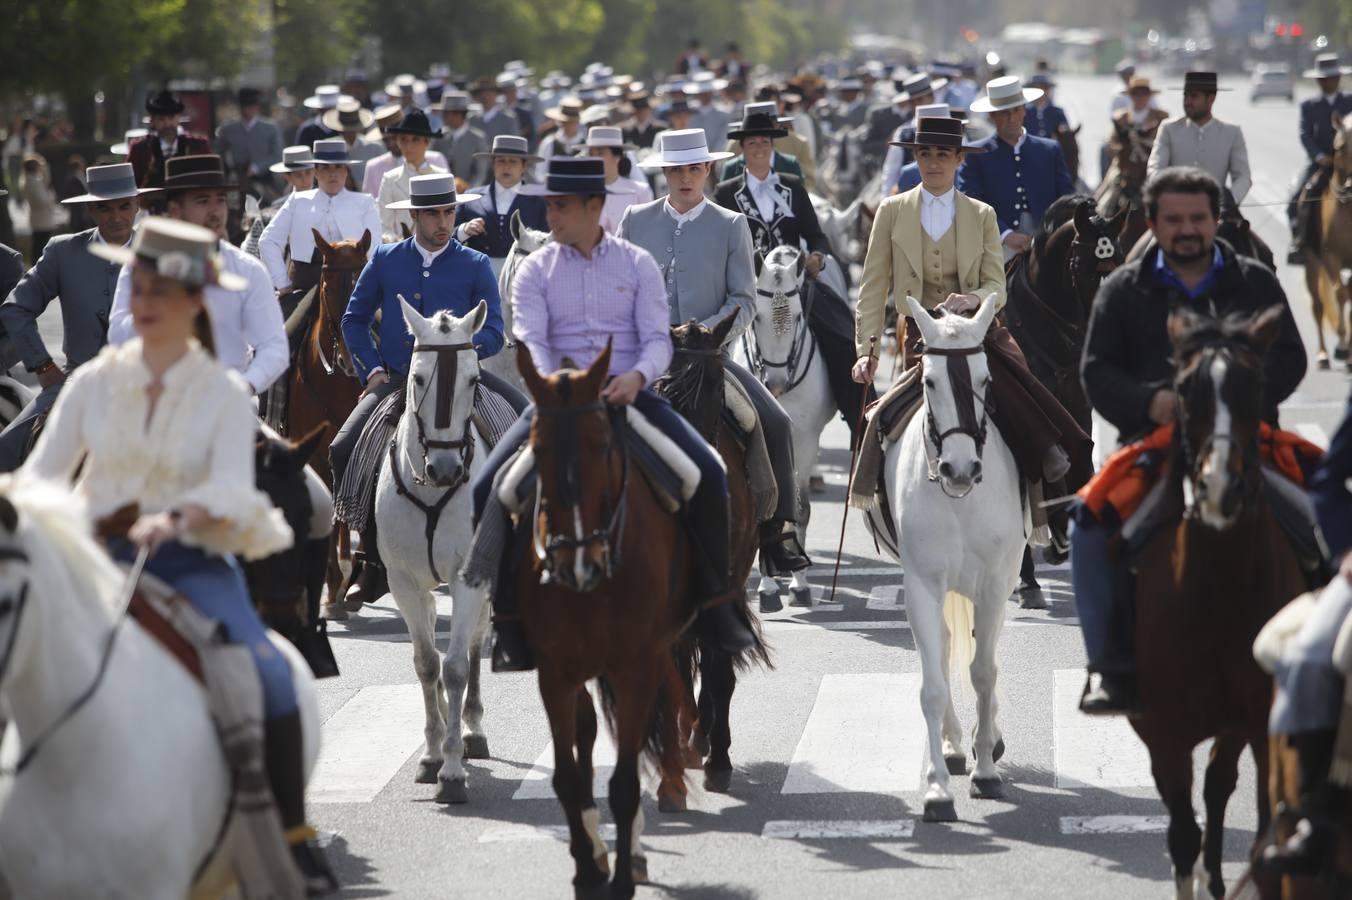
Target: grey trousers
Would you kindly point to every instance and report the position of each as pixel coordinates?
(15, 436)
(778, 439)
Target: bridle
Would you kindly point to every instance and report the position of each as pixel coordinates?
(1195, 458)
(960, 381)
(611, 535)
(1108, 258)
(783, 322)
(341, 361)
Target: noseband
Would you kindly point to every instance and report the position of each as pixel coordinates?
(783, 322)
(966, 401)
(342, 362)
(1108, 258)
(1195, 457)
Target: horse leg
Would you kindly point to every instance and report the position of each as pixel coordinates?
(768, 592)
(987, 745)
(1222, 773)
(458, 666)
(671, 798)
(1171, 764)
(924, 611)
(634, 696)
(413, 604)
(336, 580)
(476, 742)
(561, 702)
(1315, 288)
(718, 681)
(955, 760)
(586, 743)
(806, 448)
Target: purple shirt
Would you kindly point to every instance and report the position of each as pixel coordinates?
(564, 304)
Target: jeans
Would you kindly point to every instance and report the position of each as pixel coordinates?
(14, 438)
(1101, 585)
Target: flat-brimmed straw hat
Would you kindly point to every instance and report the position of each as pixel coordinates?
(115, 182)
(509, 146)
(330, 152)
(607, 136)
(918, 85)
(203, 171)
(1140, 83)
(945, 132)
(174, 249)
(295, 158)
(435, 191)
(686, 147)
(567, 176)
(348, 115)
(758, 120)
(569, 109)
(326, 96)
(1327, 65)
(1005, 93)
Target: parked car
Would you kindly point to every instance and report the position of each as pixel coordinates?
(1272, 80)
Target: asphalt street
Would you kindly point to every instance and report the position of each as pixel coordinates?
(828, 745)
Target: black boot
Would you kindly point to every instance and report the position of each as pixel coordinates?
(282, 754)
(511, 651)
(1306, 852)
(371, 584)
(1114, 694)
(780, 551)
(719, 627)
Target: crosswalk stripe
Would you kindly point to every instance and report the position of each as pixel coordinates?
(865, 734)
(1313, 433)
(516, 833)
(885, 597)
(1114, 824)
(789, 626)
(792, 830)
(1093, 751)
(366, 742)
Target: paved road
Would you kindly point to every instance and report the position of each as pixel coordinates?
(828, 745)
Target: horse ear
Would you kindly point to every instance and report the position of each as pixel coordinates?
(1264, 327)
(985, 314)
(412, 318)
(405, 229)
(724, 327)
(9, 515)
(324, 246)
(598, 371)
(1083, 213)
(364, 245)
(1118, 222)
(922, 319)
(1182, 322)
(760, 262)
(525, 364)
(304, 449)
(514, 225)
(479, 317)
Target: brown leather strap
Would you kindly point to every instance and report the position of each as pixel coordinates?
(117, 523)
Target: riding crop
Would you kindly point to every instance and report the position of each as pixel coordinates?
(854, 459)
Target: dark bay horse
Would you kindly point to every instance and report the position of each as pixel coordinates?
(694, 384)
(1206, 583)
(604, 595)
(1069, 140)
(1121, 187)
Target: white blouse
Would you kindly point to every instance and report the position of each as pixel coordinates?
(197, 448)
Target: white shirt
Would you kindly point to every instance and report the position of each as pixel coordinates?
(429, 256)
(343, 217)
(763, 192)
(635, 192)
(936, 212)
(247, 325)
(393, 188)
(503, 198)
(683, 218)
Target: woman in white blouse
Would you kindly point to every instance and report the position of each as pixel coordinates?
(166, 437)
(607, 142)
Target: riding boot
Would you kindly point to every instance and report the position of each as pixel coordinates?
(780, 551)
(283, 754)
(370, 584)
(511, 650)
(1306, 851)
(716, 624)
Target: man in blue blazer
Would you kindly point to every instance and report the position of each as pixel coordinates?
(484, 224)
(1316, 136)
(1020, 175)
(1042, 117)
(433, 273)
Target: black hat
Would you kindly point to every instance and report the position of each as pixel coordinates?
(249, 96)
(758, 120)
(202, 171)
(164, 104)
(1206, 82)
(414, 122)
(932, 132)
(569, 175)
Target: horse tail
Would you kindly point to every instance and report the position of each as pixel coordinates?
(662, 745)
(961, 642)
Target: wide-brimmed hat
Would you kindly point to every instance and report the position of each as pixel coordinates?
(607, 136)
(509, 146)
(123, 147)
(1005, 93)
(1327, 65)
(933, 131)
(678, 105)
(164, 103)
(174, 249)
(248, 96)
(406, 86)
(569, 109)
(414, 122)
(566, 176)
(758, 120)
(453, 101)
(600, 114)
(330, 152)
(388, 115)
(435, 191)
(1125, 67)
(295, 158)
(481, 84)
(918, 85)
(348, 115)
(114, 182)
(1042, 80)
(939, 111)
(1140, 83)
(685, 147)
(202, 171)
(1206, 82)
(555, 80)
(326, 96)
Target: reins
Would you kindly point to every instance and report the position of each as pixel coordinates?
(960, 381)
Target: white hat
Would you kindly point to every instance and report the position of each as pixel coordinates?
(123, 148)
(326, 96)
(294, 159)
(406, 86)
(1005, 93)
(601, 112)
(682, 148)
(607, 136)
(432, 192)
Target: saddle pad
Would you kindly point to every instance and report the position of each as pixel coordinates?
(885, 421)
(354, 495)
(738, 405)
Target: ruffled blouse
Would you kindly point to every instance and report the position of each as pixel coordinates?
(197, 448)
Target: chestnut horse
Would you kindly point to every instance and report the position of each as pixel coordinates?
(1122, 186)
(1324, 265)
(604, 595)
(1206, 583)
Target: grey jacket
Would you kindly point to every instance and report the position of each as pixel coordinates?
(252, 149)
(707, 264)
(85, 285)
(459, 152)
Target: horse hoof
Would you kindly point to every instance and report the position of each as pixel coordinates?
(452, 792)
(335, 612)
(593, 891)
(352, 605)
(427, 771)
(957, 765)
(1340, 352)
(1322, 361)
(699, 742)
(718, 781)
(1031, 597)
(476, 746)
(638, 868)
(940, 811)
(669, 803)
(800, 597)
(988, 788)
(770, 602)
(999, 750)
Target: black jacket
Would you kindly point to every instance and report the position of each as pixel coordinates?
(733, 194)
(1328, 490)
(1128, 355)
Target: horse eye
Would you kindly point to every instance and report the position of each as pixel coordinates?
(929, 382)
(418, 380)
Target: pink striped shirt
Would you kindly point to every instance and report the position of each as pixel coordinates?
(564, 304)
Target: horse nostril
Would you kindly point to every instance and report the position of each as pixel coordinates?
(976, 470)
(431, 471)
(946, 469)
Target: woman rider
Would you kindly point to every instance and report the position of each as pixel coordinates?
(166, 437)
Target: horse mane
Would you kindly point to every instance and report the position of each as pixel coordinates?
(1059, 213)
(1206, 331)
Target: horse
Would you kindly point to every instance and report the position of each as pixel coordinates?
(780, 349)
(525, 241)
(1068, 139)
(695, 384)
(605, 594)
(841, 227)
(954, 491)
(424, 515)
(138, 817)
(1324, 264)
(1123, 184)
(1205, 585)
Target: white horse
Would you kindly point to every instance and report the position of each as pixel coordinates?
(424, 514)
(126, 798)
(954, 491)
(780, 349)
(525, 241)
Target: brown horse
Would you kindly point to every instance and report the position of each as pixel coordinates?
(1206, 582)
(1069, 140)
(1122, 186)
(694, 384)
(1326, 260)
(604, 595)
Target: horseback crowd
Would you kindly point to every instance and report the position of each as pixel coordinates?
(587, 411)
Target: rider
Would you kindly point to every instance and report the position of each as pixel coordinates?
(85, 285)
(163, 437)
(705, 255)
(1128, 372)
(414, 135)
(485, 224)
(1316, 135)
(298, 169)
(1138, 122)
(556, 315)
(1198, 139)
(1042, 116)
(909, 176)
(167, 139)
(433, 272)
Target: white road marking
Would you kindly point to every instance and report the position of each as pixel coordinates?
(885, 597)
(1313, 433)
(1093, 751)
(792, 830)
(865, 734)
(366, 742)
(517, 833)
(799, 625)
(538, 785)
(1114, 824)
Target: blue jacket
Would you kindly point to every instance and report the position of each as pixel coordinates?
(1030, 181)
(1044, 122)
(1316, 123)
(458, 279)
(496, 240)
(1328, 490)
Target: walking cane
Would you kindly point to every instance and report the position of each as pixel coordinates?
(854, 458)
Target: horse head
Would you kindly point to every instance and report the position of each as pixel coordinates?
(342, 263)
(525, 241)
(443, 376)
(779, 330)
(694, 381)
(1219, 382)
(1342, 152)
(277, 582)
(581, 474)
(956, 380)
(1096, 249)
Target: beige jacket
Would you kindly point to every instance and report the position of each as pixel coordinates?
(893, 263)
